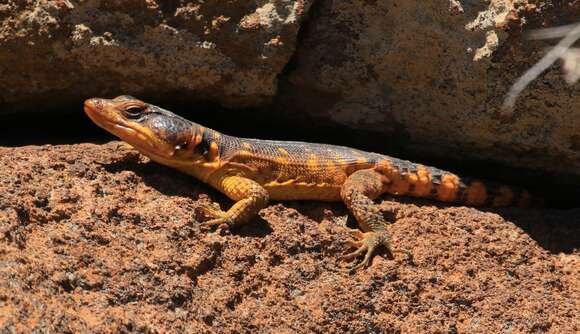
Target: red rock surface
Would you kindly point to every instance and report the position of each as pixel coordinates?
(95, 238)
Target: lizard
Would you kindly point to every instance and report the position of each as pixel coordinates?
(251, 172)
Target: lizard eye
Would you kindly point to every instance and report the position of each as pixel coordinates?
(133, 112)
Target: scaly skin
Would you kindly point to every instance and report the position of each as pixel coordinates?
(251, 172)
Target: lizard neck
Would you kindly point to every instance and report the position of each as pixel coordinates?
(208, 151)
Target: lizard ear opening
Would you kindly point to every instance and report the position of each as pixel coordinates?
(203, 149)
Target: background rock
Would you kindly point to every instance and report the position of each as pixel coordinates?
(227, 52)
(430, 78)
(423, 80)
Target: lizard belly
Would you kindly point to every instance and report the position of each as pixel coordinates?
(298, 191)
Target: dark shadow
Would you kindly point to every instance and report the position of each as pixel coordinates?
(257, 228)
(173, 183)
(555, 230)
(164, 179)
(317, 210)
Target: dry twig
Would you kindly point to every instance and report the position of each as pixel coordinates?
(562, 50)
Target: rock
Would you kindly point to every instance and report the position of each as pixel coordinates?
(129, 256)
(429, 81)
(426, 78)
(62, 51)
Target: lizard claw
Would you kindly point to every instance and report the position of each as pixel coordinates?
(367, 244)
(219, 218)
(210, 210)
(222, 223)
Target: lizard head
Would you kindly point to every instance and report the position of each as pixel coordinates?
(154, 131)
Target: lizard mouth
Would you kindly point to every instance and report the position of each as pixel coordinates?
(100, 118)
(111, 121)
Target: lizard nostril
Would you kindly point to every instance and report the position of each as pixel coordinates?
(92, 104)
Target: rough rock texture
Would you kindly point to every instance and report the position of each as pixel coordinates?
(431, 77)
(63, 51)
(428, 75)
(98, 239)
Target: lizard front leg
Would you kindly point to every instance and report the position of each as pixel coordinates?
(249, 195)
(358, 192)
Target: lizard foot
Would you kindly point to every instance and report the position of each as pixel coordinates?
(366, 243)
(218, 217)
(210, 210)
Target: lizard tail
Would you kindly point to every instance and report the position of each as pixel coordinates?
(410, 179)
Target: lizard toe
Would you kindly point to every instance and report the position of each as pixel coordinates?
(360, 250)
(221, 223)
(367, 245)
(356, 234)
(210, 211)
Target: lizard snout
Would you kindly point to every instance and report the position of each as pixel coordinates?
(93, 104)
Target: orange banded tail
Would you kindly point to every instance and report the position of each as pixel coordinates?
(410, 179)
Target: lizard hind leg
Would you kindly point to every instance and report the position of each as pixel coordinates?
(358, 193)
